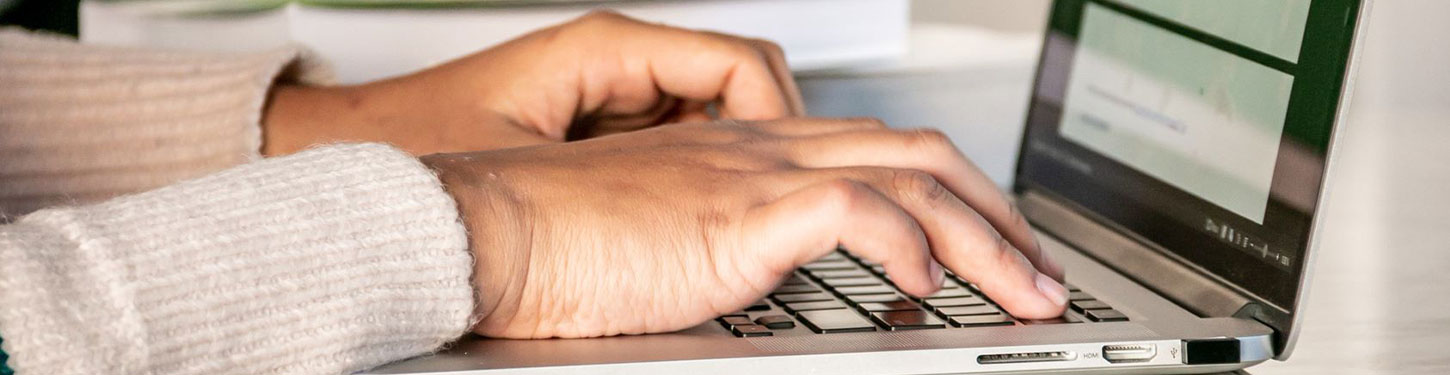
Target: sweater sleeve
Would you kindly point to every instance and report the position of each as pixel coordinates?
(81, 123)
(330, 261)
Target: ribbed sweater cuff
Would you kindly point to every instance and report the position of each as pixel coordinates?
(84, 122)
(333, 260)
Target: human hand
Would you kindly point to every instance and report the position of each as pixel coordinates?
(662, 229)
(600, 74)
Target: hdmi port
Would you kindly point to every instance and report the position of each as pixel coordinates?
(1127, 353)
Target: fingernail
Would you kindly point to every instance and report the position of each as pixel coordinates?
(1051, 289)
(937, 275)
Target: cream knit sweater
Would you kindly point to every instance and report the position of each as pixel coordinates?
(330, 261)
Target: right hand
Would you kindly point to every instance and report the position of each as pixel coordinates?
(662, 229)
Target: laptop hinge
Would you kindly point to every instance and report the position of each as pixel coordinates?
(1139, 260)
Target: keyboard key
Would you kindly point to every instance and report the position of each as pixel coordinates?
(800, 297)
(1071, 288)
(870, 298)
(760, 305)
(855, 281)
(854, 290)
(879, 270)
(888, 306)
(729, 322)
(1106, 315)
(795, 280)
(1082, 306)
(968, 310)
(833, 256)
(980, 320)
(835, 321)
(907, 320)
(830, 265)
(1079, 296)
(949, 302)
(840, 274)
(792, 289)
(1065, 319)
(775, 322)
(949, 293)
(796, 308)
(750, 331)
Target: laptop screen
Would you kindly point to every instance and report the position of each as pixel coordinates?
(1201, 126)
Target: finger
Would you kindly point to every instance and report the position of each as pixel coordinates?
(690, 117)
(959, 238)
(507, 137)
(804, 126)
(689, 111)
(933, 152)
(804, 225)
(606, 122)
(775, 56)
(706, 66)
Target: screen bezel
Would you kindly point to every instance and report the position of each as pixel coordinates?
(1154, 210)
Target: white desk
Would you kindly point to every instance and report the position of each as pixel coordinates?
(1380, 299)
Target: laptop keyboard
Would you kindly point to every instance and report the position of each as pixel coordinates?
(841, 293)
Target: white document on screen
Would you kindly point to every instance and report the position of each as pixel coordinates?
(1195, 117)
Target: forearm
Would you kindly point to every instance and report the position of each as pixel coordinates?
(330, 261)
(82, 123)
(413, 113)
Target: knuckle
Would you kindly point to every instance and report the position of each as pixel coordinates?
(753, 126)
(929, 139)
(741, 161)
(728, 133)
(1007, 258)
(597, 22)
(735, 48)
(746, 52)
(1015, 214)
(871, 122)
(919, 186)
(770, 46)
(1002, 247)
(601, 15)
(842, 196)
(750, 133)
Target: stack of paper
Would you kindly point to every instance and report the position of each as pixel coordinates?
(371, 39)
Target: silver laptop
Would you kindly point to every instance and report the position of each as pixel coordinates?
(1173, 161)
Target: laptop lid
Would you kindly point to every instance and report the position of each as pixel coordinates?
(1199, 127)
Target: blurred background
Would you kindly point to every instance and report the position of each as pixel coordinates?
(1377, 303)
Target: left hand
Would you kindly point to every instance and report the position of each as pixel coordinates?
(600, 74)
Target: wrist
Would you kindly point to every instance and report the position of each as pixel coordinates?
(294, 117)
(498, 229)
(407, 114)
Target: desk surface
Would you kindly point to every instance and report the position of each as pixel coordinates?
(1380, 297)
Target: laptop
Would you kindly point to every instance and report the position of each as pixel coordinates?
(1173, 161)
